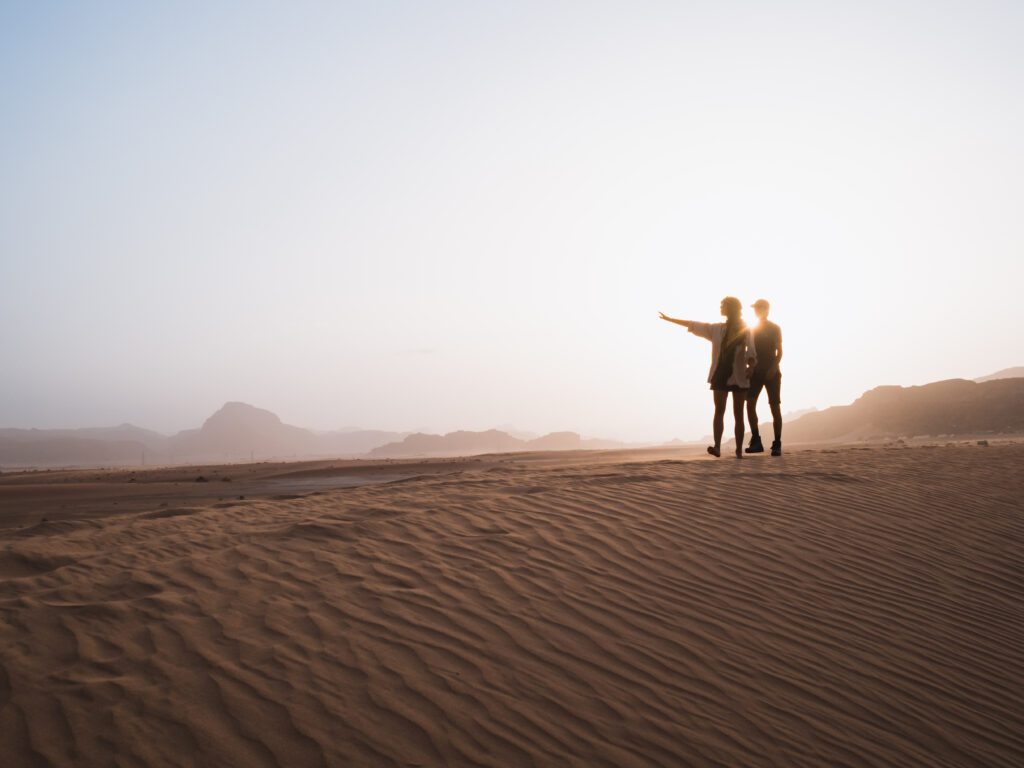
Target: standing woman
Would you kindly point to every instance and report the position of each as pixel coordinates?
(732, 359)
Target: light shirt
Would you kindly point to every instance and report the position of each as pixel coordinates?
(745, 350)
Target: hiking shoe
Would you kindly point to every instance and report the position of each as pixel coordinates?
(755, 445)
(776, 448)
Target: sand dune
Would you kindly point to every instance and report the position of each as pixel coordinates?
(868, 612)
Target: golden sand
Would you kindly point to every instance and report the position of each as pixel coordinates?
(839, 608)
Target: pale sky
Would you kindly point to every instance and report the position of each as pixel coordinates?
(458, 215)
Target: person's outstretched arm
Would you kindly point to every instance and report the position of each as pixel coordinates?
(685, 323)
(693, 326)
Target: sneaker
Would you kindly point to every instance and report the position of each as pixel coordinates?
(755, 445)
(776, 448)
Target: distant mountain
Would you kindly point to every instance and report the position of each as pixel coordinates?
(44, 451)
(794, 415)
(555, 441)
(235, 432)
(122, 433)
(461, 443)
(125, 444)
(1006, 373)
(465, 443)
(510, 429)
(954, 407)
(356, 442)
(239, 430)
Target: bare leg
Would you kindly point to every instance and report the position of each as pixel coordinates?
(718, 423)
(752, 417)
(738, 401)
(777, 421)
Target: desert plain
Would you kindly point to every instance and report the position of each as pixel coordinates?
(856, 606)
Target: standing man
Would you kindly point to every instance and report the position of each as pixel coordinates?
(768, 343)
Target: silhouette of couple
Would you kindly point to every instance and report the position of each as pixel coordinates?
(743, 361)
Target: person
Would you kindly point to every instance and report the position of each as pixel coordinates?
(733, 357)
(768, 344)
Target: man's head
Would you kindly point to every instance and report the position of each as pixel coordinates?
(761, 308)
(732, 308)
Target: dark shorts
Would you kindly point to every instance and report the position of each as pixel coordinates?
(727, 388)
(772, 386)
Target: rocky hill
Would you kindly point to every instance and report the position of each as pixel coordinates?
(236, 432)
(1006, 373)
(463, 443)
(954, 407)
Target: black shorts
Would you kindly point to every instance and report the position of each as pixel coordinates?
(772, 386)
(727, 388)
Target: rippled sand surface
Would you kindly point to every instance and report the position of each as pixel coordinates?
(841, 608)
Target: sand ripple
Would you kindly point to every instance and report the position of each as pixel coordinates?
(865, 609)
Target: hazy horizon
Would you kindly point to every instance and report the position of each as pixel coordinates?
(454, 217)
(512, 429)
